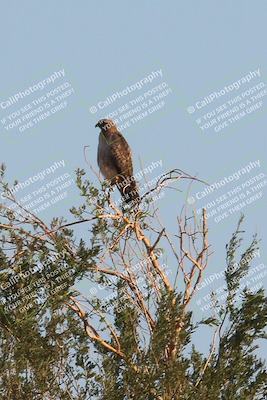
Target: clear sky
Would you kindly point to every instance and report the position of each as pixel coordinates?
(105, 47)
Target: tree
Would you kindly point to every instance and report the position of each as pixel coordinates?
(130, 337)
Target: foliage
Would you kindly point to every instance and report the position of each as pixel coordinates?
(130, 335)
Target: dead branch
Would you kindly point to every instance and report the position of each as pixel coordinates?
(90, 330)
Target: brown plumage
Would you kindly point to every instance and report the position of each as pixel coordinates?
(115, 160)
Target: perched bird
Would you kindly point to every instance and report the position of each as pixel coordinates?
(115, 160)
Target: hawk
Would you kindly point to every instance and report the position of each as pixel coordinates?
(115, 160)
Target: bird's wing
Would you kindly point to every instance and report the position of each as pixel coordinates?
(121, 154)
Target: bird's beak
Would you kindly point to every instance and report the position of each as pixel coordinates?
(97, 125)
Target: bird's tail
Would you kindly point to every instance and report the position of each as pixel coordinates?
(129, 192)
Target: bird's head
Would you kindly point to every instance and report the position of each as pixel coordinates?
(106, 125)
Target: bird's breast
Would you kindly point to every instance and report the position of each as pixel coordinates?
(105, 159)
